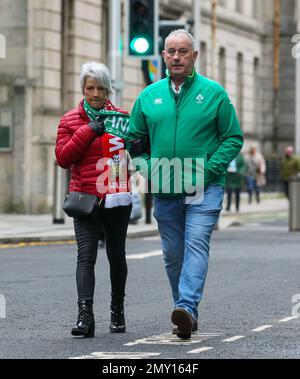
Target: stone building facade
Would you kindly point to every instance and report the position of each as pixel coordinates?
(48, 41)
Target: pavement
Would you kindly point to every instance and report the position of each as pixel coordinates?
(19, 228)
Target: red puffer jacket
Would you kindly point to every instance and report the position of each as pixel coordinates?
(78, 147)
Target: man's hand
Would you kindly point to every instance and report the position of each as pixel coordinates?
(98, 125)
(138, 146)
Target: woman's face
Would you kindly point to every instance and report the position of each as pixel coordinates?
(95, 93)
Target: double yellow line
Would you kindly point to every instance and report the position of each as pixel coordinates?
(41, 243)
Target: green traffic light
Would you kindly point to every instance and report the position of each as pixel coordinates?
(142, 24)
(139, 45)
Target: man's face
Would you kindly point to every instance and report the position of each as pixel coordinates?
(289, 151)
(179, 56)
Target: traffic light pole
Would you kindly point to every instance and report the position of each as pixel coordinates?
(115, 53)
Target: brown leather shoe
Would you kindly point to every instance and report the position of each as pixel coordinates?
(184, 322)
(194, 328)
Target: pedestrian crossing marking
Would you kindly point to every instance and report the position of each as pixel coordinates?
(201, 350)
(261, 328)
(288, 319)
(233, 339)
(116, 355)
(172, 339)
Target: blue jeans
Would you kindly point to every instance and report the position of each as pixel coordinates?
(185, 231)
(252, 186)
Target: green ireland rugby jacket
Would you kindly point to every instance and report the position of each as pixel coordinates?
(200, 123)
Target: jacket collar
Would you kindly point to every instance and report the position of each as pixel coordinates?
(188, 80)
(81, 111)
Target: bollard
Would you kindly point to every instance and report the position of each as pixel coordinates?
(59, 195)
(294, 197)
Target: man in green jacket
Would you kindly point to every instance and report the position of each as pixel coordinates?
(235, 178)
(186, 119)
(290, 167)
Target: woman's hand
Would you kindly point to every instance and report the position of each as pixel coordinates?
(98, 125)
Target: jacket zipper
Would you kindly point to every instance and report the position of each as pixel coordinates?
(175, 134)
(177, 103)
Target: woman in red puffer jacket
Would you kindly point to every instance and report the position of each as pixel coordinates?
(90, 141)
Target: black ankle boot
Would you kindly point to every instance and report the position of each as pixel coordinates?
(117, 320)
(85, 325)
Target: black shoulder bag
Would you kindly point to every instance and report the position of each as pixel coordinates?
(81, 205)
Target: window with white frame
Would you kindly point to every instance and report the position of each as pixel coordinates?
(203, 59)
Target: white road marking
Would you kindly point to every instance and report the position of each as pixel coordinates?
(201, 350)
(232, 339)
(116, 355)
(261, 328)
(288, 319)
(151, 238)
(169, 339)
(172, 339)
(153, 253)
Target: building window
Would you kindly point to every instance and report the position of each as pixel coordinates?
(5, 118)
(203, 59)
(66, 26)
(104, 30)
(5, 130)
(240, 86)
(257, 9)
(239, 6)
(222, 66)
(256, 101)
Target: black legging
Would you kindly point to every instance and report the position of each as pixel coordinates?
(87, 232)
(237, 198)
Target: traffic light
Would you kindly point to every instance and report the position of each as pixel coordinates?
(142, 28)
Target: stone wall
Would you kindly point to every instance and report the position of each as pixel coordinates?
(13, 25)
